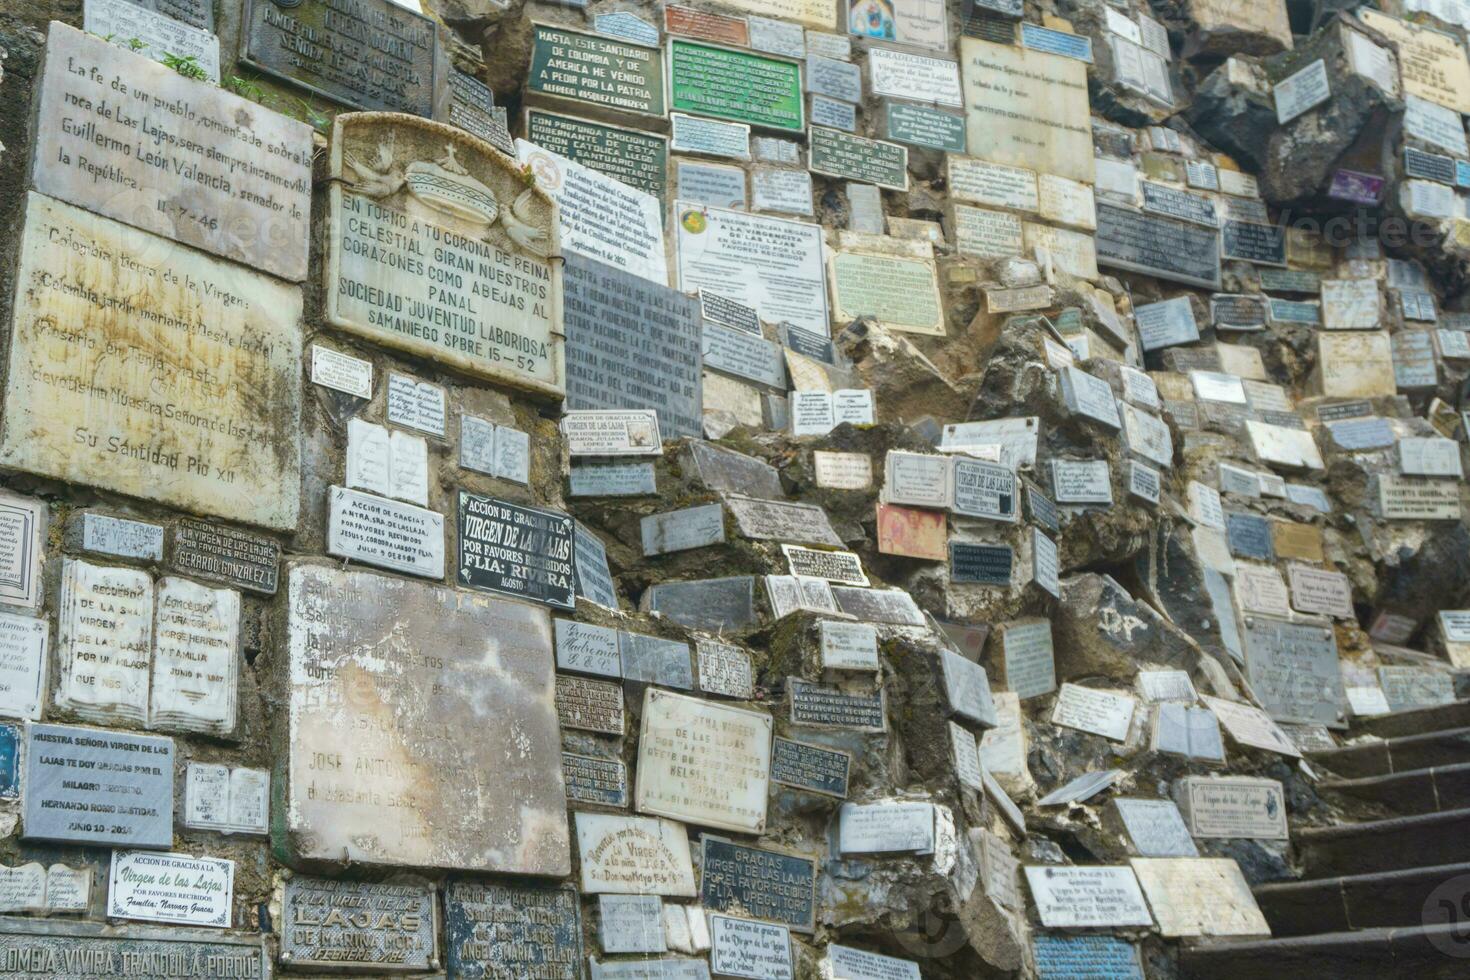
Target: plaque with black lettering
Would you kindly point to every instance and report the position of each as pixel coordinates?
(593, 780)
(761, 884)
(980, 564)
(525, 552)
(1430, 166)
(1253, 242)
(814, 704)
(1042, 510)
(1249, 536)
(810, 767)
(1175, 203)
(808, 344)
(1157, 246)
(346, 924)
(368, 54)
(224, 554)
(1237, 311)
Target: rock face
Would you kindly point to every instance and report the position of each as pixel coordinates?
(732, 489)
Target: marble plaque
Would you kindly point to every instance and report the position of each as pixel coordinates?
(1175, 203)
(473, 662)
(810, 767)
(982, 489)
(848, 646)
(887, 827)
(1167, 323)
(630, 924)
(1434, 67)
(22, 531)
(120, 537)
(589, 705)
(766, 520)
(924, 127)
(104, 642)
(229, 801)
(749, 949)
(772, 264)
(160, 887)
(1018, 100)
(196, 657)
(813, 704)
(994, 184)
(1105, 713)
(1155, 827)
(216, 453)
(1260, 589)
(1301, 91)
(594, 580)
(1232, 806)
(728, 471)
(1430, 457)
(833, 566)
(781, 189)
(630, 432)
(204, 167)
(23, 641)
(725, 670)
(985, 234)
(711, 183)
(626, 26)
(385, 533)
(1030, 668)
(916, 479)
(842, 471)
(901, 292)
(591, 780)
(1293, 669)
(1314, 590)
(499, 929)
(587, 649)
(903, 75)
(651, 969)
(141, 29)
(1200, 897)
(407, 262)
(1417, 498)
(654, 660)
(1407, 688)
(1081, 481)
(1087, 896)
(633, 856)
(759, 883)
(743, 355)
(1087, 395)
(683, 530)
(128, 801)
(849, 963)
(335, 925)
(1086, 956)
(715, 604)
(56, 948)
(966, 689)
(1157, 246)
(1249, 536)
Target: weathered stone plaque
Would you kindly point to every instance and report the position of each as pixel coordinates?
(196, 657)
(1314, 590)
(89, 786)
(980, 564)
(1249, 536)
(810, 767)
(849, 963)
(22, 666)
(839, 154)
(1157, 246)
(503, 929)
(633, 856)
(1417, 498)
(813, 704)
(411, 260)
(714, 604)
(1294, 671)
(758, 883)
(122, 23)
(925, 127)
(631, 924)
(885, 827)
(1081, 481)
(587, 649)
(1029, 661)
(58, 948)
(736, 85)
(1105, 713)
(230, 801)
(104, 642)
(218, 450)
(1232, 806)
(594, 580)
(765, 520)
(1027, 108)
(374, 54)
(703, 762)
(592, 479)
(1200, 897)
(655, 660)
(373, 694)
(135, 141)
(728, 471)
(589, 705)
(1155, 828)
(1087, 896)
(749, 949)
(384, 532)
(743, 355)
(683, 530)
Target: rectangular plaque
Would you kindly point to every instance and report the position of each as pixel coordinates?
(225, 554)
(1077, 957)
(1174, 203)
(813, 704)
(703, 762)
(134, 141)
(810, 767)
(385, 533)
(765, 884)
(1157, 246)
(838, 154)
(373, 54)
(1293, 668)
(1087, 896)
(593, 780)
(1027, 108)
(655, 660)
(160, 887)
(126, 25)
(23, 666)
(512, 929)
(59, 948)
(980, 564)
(201, 440)
(519, 551)
(1233, 807)
(736, 85)
(683, 530)
(121, 537)
(589, 705)
(1417, 498)
(339, 925)
(1105, 713)
(719, 603)
(451, 661)
(589, 70)
(1081, 481)
(637, 159)
(587, 649)
(925, 127)
(90, 786)
(765, 520)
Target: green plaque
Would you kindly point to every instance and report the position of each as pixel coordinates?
(639, 160)
(919, 125)
(736, 85)
(839, 154)
(597, 71)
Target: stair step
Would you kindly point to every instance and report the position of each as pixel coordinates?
(1415, 791)
(1419, 841)
(1398, 754)
(1378, 900)
(1416, 722)
(1421, 953)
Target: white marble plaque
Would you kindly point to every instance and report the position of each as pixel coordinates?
(104, 642)
(1301, 91)
(341, 372)
(139, 29)
(1090, 396)
(1260, 589)
(1030, 666)
(703, 762)
(848, 963)
(772, 264)
(1194, 896)
(1090, 896)
(1351, 304)
(1232, 806)
(683, 530)
(1155, 828)
(1067, 202)
(23, 641)
(631, 432)
(711, 183)
(1105, 713)
(781, 189)
(749, 949)
(1251, 726)
(966, 753)
(156, 886)
(884, 828)
(992, 183)
(914, 77)
(916, 479)
(1081, 481)
(1417, 498)
(416, 404)
(633, 856)
(725, 670)
(842, 471)
(1314, 590)
(385, 533)
(848, 646)
(230, 801)
(1027, 107)
(196, 658)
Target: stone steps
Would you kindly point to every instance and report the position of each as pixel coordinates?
(1422, 840)
(1416, 791)
(1377, 900)
(1398, 754)
(1419, 953)
(1419, 721)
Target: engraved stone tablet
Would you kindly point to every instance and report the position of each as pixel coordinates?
(753, 950)
(1105, 713)
(703, 762)
(880, 828)
(1155, 828)
(497, 929)
(196, 657)
(212, 170)
(1030, 669)
(587, 649)
(459, 661)
(1081, 482)
(813, 704)
(683, 530)
(385, 533)
(849, 963)
(121, 537)
(104, 642)
(591, 71)
(1232, 806)
(980, 564)
(337, 925)
(654, 660)
(765, 520)
(1093, 895)
(407, 260)
(224, 449)
(714, 604)
(848, 646)
(150, 952)
(1157, 246)
(178, 888)
(1417, 498)
(763, 884)
(594, 706)
(592, 780)
(1314, 590)
(1293, 669)
(1200, 897)
(23, 642)
(126, 800)
(633, 856)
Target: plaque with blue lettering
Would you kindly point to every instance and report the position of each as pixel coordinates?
(1249, 536)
